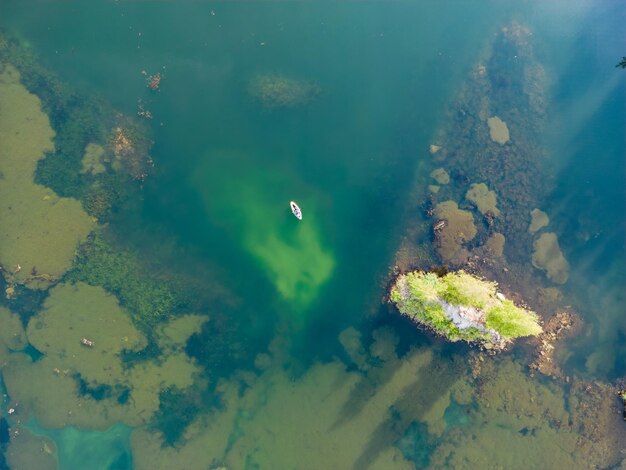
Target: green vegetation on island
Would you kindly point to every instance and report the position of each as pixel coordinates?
(460, 306)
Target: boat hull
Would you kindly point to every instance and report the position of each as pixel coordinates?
(295, 209)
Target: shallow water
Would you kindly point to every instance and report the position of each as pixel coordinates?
(297, 354)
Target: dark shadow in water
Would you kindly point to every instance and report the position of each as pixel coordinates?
(417, 445)
(432, 381)
(408, 337)
(415, 401)
(4, 441)
(228, 343)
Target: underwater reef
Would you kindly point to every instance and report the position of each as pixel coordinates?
(278, 91)
(462, 307)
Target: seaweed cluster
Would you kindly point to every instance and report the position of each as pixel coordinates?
(149, 299)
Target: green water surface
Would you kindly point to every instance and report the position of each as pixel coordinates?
(226, 169)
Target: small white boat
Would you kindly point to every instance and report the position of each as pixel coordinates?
(296, 210)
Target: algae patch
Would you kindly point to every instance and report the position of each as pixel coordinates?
(89, 385)
(80, 311)
(39, 230)
(522, 423)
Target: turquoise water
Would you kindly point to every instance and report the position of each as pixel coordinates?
(225, 168)
(98, 450)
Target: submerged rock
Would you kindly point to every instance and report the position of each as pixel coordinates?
(458, 229)
(433, 149)
(93, 159)
(498, 130)
(482, 198)
(131, 150)
(441, 176)
(549, 258)
(495, 244)
(538, 220)
(460, 306)
(278, 91)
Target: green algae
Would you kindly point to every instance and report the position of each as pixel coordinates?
(83, 163)
(39, 230)
(29, 451)
(548, 257)
(458, 230)
(72, 312)
(12, 335)
(122, 273)
(89, 386)
(173, 335)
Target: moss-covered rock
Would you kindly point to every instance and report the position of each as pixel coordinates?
(460, 306)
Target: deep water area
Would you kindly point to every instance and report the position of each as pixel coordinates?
(162, 308)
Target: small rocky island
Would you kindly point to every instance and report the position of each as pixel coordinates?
(460, 306)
